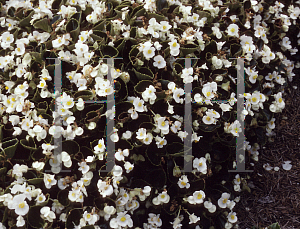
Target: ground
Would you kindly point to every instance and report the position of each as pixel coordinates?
(275, 196)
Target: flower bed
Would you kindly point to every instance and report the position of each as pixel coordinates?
(147, 187)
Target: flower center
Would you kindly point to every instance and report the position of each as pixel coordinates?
(22, 205)
(280, 100)
(183, 183)
(225, 200)
(162, 196)
(123, 219)
(199, 196)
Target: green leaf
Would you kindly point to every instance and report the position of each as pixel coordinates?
(235, 50)
(156, 178)
(26, 21)
(43, 24)
(35, 181)
(158, 17)
(28, 144)
(3, 171)
(34, 217)
(73, 217)
(71, 147)
(144, 74)
(142, 85)
(73, 27)
(274, 226)
(100, 25)
(108, 51)
(9, 147)
(209, 128)
(84, 94)
(188, 49)
(62, 197)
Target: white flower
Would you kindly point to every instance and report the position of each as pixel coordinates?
(217, 63)
(18, 170)
(286, 165)
(58, 42)
(183, 182)
(224, 201)
(38, 165)
(49, 180)
(162, 124)
(104, 188)
(20, 221)
(122, 220)
(139, 104)
(90, 218)
(141, 134)
(127, 134)
(197, 197)
(149, 52)
(176, 95)
(20, 205)
(209, 119)
(47, 214)
(40, 198)
(200, 165)
(233, 30)
(128, 166)
(235, 128)
(134, 114)
(83, 167)
(160, 142)
(163, 197)
(159, 62)
(232, 217)
(193, 218)
(148, 139)
(149, 93)
(100, 147)
(121, 154)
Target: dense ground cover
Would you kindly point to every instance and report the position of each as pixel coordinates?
(147, 187)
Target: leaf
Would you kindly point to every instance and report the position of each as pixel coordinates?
(188, 49)
(260, 44)
(108, 51)
(9, 147)
(3, 171)
(144, 74)
(84, 94)
(74, 216)
(71, 147)
(43, 24)
(100, 25)
(34, 217)
(153, 154)
(73, 27)
(209, 128)
(158, 17)
(160, 4)
(26, 21)
(156, 178)
(35, 181)
(235, 50)
(28, 144)
(62, 197)
(142, 85)
(274, 226)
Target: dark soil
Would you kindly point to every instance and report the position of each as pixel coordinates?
(275, 196)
